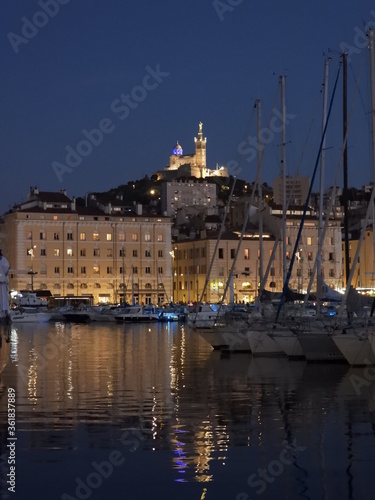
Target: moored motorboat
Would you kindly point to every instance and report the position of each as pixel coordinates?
(138, 314)
(29, 316)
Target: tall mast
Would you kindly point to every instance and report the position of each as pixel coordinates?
(345, 194)
(260, 205)
(370, 35)
(283, 173)
(321, 200)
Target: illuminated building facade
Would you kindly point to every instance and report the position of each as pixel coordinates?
(52, 244)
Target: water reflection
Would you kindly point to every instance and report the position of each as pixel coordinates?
(200, 417)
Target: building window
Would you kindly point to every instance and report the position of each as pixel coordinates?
(246, 254)
(109, 236)
(331, 257)
(147, 253)
(160, 237)
(272, 272)
(287, 255)
(134, 237)
(57, 270)
(43, 252)
(287, 240)
(148, 270)
(69, 236)
(135, 270)
(147, 237)
(309, 256)
(160, 253)
(82, 252)
(42, 235)
(121, 237)
(122, 252)
(95, 236)
(309, 240)
(332, 273)
(160, 270)
(83, 270)
(96, 252)
(69, 252)
(221, 253)
(122, 270)
(109, 270)
(109, 252)
(96, 269)
(70, 269)
(232, 253)
(221, 271)
(299, 272)
(56, 252)
(135, 253)
(56, 236)
(82, 236)
(29, 235)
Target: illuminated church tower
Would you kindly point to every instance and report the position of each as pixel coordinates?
(200, 151)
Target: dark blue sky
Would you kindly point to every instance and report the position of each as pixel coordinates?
(214, 59)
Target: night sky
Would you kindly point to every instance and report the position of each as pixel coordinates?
(173, 64)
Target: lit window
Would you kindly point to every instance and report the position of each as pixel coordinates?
(69, 252)
(134, 237)
(147, 237)
(160, 237)
(109, 237)
(82, 236)
(246, 253)
(96, 269)
(95, 236)
(309, 240)
(56, 252)
(121, 237)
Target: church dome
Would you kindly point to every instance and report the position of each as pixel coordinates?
(177, 150)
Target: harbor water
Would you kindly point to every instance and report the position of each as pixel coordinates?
(112, 411)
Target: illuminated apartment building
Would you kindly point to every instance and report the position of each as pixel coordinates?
(52, 244)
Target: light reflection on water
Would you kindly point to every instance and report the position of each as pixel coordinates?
(200, 418)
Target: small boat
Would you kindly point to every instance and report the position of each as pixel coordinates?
(138, 314)
(77, 316)
(29, 316)
(205, 316)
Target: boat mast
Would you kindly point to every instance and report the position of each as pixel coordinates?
(319, 280)
(260, 205)
(345, 193)
(370, 35)
(283, 172)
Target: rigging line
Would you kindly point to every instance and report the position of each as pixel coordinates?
(246, 219)
(222, 226)
(286, 283)
(332, 199)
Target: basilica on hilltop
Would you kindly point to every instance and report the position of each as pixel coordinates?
(190, 165)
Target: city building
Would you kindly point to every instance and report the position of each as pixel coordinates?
(192, 261)
(181, 193)
(54, 244)
(296, 190)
